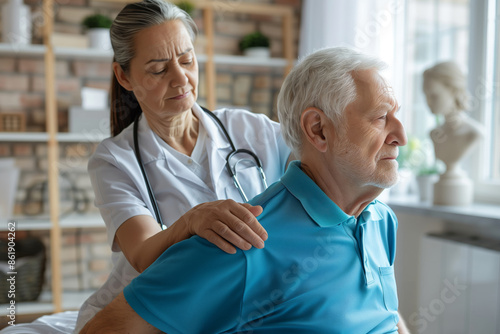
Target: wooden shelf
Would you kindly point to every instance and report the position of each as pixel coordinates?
(245, 61)
(95, 54)
(62, 137)
(72, 300)
(74, 220)
(23, 136)
(32, 50)
(36, 50)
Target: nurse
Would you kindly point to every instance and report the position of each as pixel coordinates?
(183, 151)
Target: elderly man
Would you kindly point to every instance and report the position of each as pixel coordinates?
(328, 263)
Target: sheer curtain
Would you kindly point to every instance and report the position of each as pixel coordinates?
(327, 23)
(374, 27)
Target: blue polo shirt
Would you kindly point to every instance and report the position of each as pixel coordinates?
(321, 271)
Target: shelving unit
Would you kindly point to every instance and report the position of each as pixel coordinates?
(208, 7)
(56, 300)
(87, 54)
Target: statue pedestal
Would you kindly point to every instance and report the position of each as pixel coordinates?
(453, 190)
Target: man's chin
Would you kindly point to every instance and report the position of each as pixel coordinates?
(387, 181)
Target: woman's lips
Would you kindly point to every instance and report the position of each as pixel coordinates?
(179, 97)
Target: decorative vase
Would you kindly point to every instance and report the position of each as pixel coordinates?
(16, 23)
(99, 38)
(259, 52)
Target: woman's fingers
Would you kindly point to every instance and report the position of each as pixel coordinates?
(226, 223)
(218, 241)
(254, 223)
(240, 229)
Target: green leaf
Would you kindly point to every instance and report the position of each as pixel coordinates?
(97, 21)
(255, 39)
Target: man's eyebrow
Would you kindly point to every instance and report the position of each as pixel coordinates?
(384, 106)
(161, 60)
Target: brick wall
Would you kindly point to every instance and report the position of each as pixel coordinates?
(85, 254)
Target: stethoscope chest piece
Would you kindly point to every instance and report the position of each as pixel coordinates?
(234, 159)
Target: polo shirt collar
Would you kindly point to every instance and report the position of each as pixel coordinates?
(316, 203)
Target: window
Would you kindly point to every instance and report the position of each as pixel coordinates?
(468, 33)
(435, 31)
(492, 116)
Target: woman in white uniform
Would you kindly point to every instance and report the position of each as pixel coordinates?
(183, 151)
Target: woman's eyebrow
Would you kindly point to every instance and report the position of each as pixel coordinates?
(168, 59)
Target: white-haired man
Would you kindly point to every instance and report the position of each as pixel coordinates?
(328, 262)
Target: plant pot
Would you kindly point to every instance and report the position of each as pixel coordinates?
(425, 185)
(259, 52)
(99, 38)
(406, 179)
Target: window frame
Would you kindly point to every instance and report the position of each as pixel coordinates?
(484, 45)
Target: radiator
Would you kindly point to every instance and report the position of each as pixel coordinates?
(459, 286)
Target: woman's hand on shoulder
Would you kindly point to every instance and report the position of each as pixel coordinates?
(227, 224)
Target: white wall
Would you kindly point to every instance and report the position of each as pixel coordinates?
(411, 230)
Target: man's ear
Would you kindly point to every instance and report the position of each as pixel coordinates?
(313, 122)
(121, 76)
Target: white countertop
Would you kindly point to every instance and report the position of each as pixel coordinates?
(477, 213)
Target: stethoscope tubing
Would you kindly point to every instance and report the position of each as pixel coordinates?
(232, 173)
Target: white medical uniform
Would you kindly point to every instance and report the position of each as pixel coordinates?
(178, 181)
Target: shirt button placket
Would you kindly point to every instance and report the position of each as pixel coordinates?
(366, 264)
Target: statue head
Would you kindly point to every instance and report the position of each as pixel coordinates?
(445, 88)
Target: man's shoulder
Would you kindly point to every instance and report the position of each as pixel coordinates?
(268, 195)
(387, 215)
(382, 206)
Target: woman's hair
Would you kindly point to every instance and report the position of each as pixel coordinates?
(449, 74)
(132, 19)
(322, 80)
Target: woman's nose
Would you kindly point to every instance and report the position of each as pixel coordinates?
(179, 77)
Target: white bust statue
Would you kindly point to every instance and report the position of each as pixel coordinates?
(446, 94)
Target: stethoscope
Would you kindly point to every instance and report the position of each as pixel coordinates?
(231, 169)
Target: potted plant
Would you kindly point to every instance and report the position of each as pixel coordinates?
(426, 177)
(255, 44)
(186, 6)
(97, 26)
(407, 159)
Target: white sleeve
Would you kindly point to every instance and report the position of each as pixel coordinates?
(258, 131)
(116, 194)
(283, 150)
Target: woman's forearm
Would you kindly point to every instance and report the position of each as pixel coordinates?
(225, 223)
(142, 241)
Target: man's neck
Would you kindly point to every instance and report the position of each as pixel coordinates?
(350, 198)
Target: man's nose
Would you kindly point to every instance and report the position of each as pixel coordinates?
(397, 134)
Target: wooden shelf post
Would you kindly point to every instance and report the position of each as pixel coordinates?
(53, 154)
